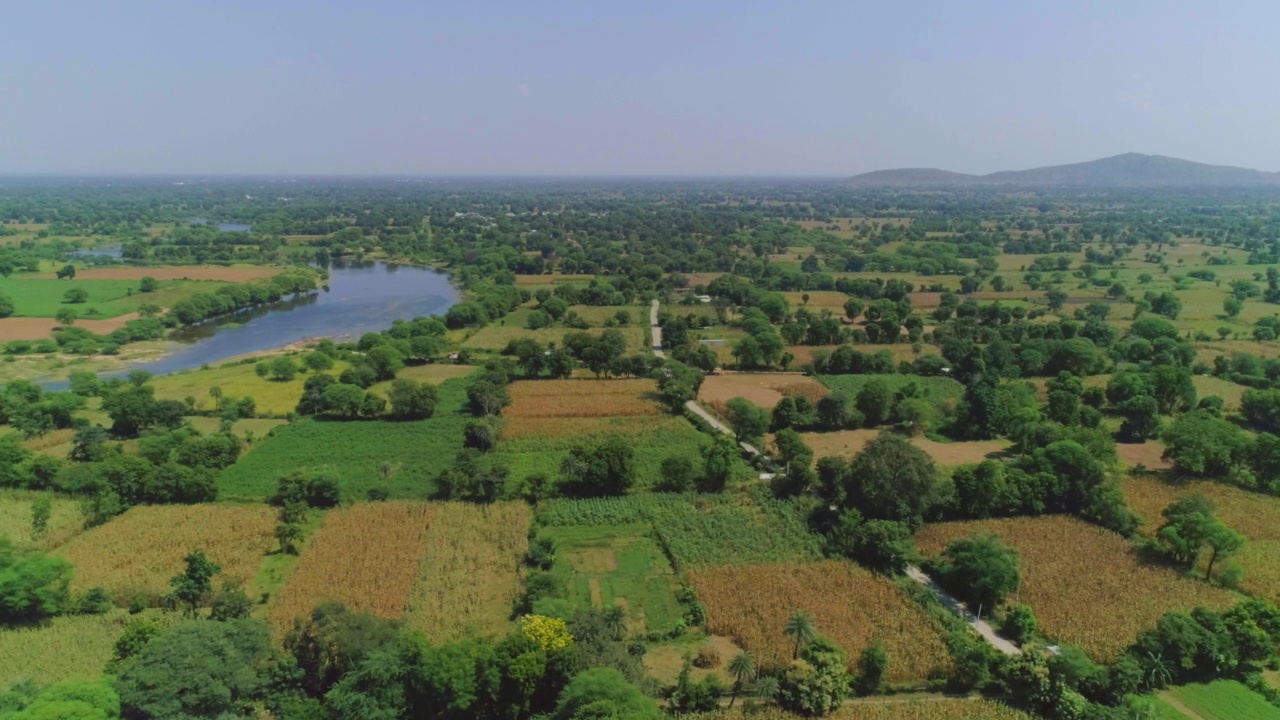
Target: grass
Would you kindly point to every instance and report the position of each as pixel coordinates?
(414, 453)
(1087, 586)
(137, 553)
(1219, 700)
(936, 389)
(65, 521)
(852, 606)
(42, 297)
(470, 575)
(70, 647)
(366, 556)
(607, 565)
(236, 380)
(495, 336)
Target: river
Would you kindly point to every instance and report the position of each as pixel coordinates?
(360, 298)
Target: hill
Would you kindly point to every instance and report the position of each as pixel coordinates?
(1128, 170)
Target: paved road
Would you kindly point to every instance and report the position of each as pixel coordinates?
(984, 629)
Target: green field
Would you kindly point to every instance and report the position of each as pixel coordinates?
(1220, 700)
(236, 380)
(618, 565)
(700, 529)
(70, 647)
(413, 452)
(935, 389)
(42, 297)
(65, 521)
(675, 437)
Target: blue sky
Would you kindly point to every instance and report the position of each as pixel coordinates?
(659, 87)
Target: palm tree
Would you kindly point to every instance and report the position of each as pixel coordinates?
(743, 669)
(767, 688)
(800, 628)
(615, 619)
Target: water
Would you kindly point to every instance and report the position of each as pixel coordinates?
(107, 252)
(361, 298)
(234, 227)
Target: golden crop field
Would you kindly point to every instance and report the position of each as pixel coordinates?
(68, 647)
(850, 605)
(947, 708)
(1256, 516)
(365, 555)
(469, 578)
(581, 399)
(1088, 587)
(136, 553)
(15, 520)
(763, 389)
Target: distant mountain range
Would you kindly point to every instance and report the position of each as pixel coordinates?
(1128, 170)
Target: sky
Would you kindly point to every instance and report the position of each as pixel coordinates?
(660, 87)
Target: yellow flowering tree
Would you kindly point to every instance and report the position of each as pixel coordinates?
(550, 633)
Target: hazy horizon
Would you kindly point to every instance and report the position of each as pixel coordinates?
(720, 90)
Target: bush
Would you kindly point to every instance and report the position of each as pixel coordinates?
(706, 658)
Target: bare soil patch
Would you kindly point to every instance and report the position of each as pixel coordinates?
(27, 328)
(664, 661)
(1146, 454)
(763, 389)
(551, 279)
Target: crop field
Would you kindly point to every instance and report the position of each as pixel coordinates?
(1230, 392)
(635, 426)
(410, 453)
(818, 300)
(366, 555)
(65, 521)
(938, 390)
(609, 565)
(1256, 516)
(700, 529)
(652, 442)
(236, 380)
(495, 336)
(136, 553)
(850, 605)
(430, 374)
(1219, 700)
(582, 398)
(763, 389)
(40, 328)
(1088, 587)
(42, 297)
(178, 272)
(946, 708)
(470, 575)
(847, 443)
(69, 647)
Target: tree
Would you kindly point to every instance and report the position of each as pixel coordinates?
(875, 401)
(411, 400)
(148, 284)
(749, 422)
(132, 409)
(342, 400)
(1201, 443)
(601, 693)
(197, 670)
(75, 296)
(816, 683)
(67, 272)
(66, 317)
(678, 474)
(1056, 299)
(33, 586)
(193, 585)
(982, 570)
(6, 306)
(1223, 541)
(743, 669)
(873, 665)
(41, 511)
(801, 629)
(601, 470)
(1232, 306)
(891, 479)
(332, 641)
(282, 369)
(231, 602)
